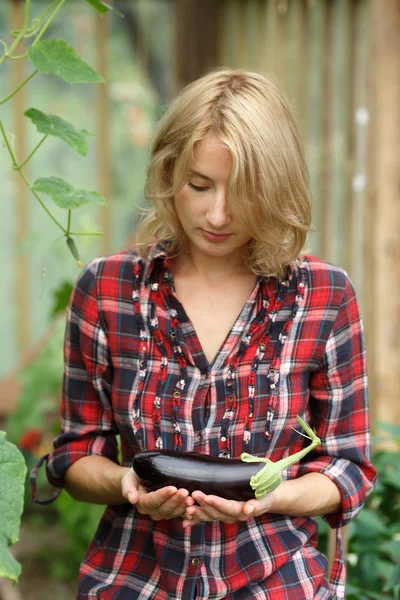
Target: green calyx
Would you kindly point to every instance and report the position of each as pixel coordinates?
(269, 477)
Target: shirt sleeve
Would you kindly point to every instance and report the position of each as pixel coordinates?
(339, 413)
(87, 420)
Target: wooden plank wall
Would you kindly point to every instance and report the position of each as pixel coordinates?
(317, 50)
(383, 211)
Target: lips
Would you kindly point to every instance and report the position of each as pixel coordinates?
(215, 237)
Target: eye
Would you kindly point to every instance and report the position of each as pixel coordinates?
(197, 188)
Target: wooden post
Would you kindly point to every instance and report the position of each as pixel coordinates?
(103, 138)
(21, 200)
(382, 241)
(196, 39)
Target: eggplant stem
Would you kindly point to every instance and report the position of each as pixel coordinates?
(269, 477)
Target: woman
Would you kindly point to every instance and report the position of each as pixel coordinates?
(213, 337)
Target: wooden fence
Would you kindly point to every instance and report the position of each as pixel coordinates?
(318, 52)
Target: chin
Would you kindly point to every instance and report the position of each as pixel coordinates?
(216, 250)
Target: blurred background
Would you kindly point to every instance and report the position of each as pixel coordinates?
(339, 64)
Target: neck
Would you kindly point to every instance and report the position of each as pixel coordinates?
(209, 268)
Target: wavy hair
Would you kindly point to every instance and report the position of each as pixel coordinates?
(268, 186)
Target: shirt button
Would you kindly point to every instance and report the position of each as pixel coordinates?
(195, 561)
(199, 436)
(205, 374)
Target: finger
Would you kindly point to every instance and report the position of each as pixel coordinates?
(198, 496)
(190, 522)
(258, 507)
(174, 506)
(196, 512)
(132, 496)
(202, 514)
(153, 500)
(202, 509)
(231, 508)
(129, 487)
(223, 509)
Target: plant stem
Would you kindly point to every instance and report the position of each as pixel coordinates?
(14, 160)
(52, 246)
(69, 222)
(20, 86)
(31, 154)
(26, 15)
(21, 33)
(49, 20)
(86, 233)
(10, 150)
(5, 50)
(30, 31)
(41, 201)
(46, 12)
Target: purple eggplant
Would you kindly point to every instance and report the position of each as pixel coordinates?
(227, 478)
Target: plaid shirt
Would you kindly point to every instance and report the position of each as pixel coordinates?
(134, 367)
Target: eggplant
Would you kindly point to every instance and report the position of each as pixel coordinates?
(225, 477)
(234, 479)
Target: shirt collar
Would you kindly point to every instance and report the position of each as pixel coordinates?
(158, 258)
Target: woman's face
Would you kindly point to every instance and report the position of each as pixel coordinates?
(202, 205)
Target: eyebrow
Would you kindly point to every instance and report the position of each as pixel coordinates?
(191, 172)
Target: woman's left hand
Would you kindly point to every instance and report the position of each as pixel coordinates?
(214, 508)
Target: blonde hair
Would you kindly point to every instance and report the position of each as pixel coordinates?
(268, 185)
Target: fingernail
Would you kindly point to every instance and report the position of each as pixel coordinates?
(250, 510)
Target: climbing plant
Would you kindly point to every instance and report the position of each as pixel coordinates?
(53, 57)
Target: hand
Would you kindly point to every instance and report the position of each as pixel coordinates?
(214, 508)
(165, 503)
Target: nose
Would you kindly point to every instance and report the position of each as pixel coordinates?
(218, 213)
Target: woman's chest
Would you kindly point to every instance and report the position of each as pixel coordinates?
(165, 395)
(212, 311)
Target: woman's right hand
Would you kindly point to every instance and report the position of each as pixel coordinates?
(165, 503)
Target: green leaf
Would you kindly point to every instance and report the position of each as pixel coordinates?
(57, 127)
(356, 592)
(61, 297)
(392, 479)
(57, 57)
(369, 525)
(103, 7)
(64, 194)
(391, 548)
(394, 580)
(12, 484)
(391, 428)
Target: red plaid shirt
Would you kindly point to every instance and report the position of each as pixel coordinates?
(135, 368)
